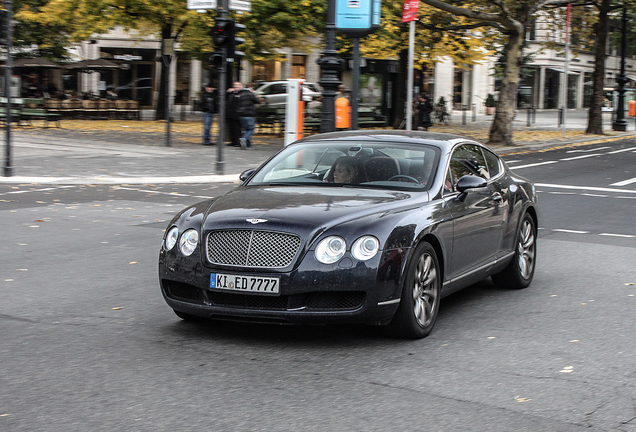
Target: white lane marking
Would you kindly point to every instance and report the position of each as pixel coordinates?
(160, 192)
(122, 180)
(588, 150)
(34, 190)
(562, 193)
(617, 235)
(580, 157)
(622, 150)
(533, 165)
(595, 195)
(624, 182)
(622, 197)
(586, 188)
(571, 231)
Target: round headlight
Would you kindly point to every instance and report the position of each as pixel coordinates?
(189, 241)
(171, 238)
(365, 248)
(331, 249)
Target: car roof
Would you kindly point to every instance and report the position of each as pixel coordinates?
(442, 140)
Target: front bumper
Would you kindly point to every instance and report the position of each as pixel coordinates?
(314, 293)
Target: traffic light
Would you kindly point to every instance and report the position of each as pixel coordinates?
(235, 42)
(222, 32)
(216, 59)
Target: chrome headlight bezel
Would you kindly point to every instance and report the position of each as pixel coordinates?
(188, 242)
(330, 249)
(365, 248)
(171, 238)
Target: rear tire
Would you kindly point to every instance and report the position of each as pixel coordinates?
(419, 304)
(520, 271)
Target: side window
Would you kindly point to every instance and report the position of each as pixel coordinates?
(492, 161)
(468, 159)
(448, 183)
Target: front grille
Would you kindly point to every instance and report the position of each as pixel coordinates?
(252, 248)
(184, 292)
(248, 301)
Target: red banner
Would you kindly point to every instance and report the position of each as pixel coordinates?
(409, 11)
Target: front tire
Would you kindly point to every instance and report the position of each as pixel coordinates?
(520, 271)
(419, 304)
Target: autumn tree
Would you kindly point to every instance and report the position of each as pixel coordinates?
(511, 18)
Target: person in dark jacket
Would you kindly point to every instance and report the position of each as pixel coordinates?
(424, 109)
(247, 113)
(209, 106)
(231, 114)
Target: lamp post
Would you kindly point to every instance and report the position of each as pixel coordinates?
(330, 65)
(8, 16)
(620, 124)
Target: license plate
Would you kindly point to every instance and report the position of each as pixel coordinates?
(267, 285)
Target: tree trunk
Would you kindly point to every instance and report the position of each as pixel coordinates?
(160, 112)
(595, 113)
(501, 127)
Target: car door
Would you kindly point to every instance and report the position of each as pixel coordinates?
(478, 215)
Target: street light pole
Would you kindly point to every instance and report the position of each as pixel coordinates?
(8, 168)
(620, 124)
(330, 65)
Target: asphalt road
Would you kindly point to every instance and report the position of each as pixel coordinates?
(87, 343)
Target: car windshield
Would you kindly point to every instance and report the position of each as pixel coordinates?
(352, 164)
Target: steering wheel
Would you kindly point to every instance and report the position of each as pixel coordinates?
(405, 177)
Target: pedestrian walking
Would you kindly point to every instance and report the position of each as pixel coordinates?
(247, 113)
(231, 114)
(209, 106)
(424, 110)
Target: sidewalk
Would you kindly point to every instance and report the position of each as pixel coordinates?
(134, 152)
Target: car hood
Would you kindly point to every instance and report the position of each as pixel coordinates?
(302, 209)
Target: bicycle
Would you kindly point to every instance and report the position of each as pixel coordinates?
(442, 115)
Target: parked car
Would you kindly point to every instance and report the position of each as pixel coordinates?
(419, 216)
(275, 93)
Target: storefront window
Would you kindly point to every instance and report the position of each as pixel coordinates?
(525, 96)
(588, 86)
(298, 67)
(458, 84)
(182, 91)
(551, 90)
(573, 85)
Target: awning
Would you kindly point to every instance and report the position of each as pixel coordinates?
(93, 65)
(38, 62)
(562, 70)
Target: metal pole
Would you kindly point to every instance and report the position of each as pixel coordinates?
(167, 58)
(330, 65)
(528, 111)
(464, 108)
(474, 112)
(355, 83)
(620, 124)
(8, 169)
(409, 91)
(222, 93)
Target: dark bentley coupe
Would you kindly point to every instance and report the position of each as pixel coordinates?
(363, 226)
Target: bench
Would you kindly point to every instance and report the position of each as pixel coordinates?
(272, 119)
(25, 110)
(34, 109)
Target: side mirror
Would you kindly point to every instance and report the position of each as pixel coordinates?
(469, 182)
(246, 174)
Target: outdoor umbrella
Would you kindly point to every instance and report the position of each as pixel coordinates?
(93, 65)
(34, 63)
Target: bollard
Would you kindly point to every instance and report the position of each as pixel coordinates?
(528, 112)
(183, 112)
(534, 114)
(464, 114)
(560, 116)
(474, 112)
